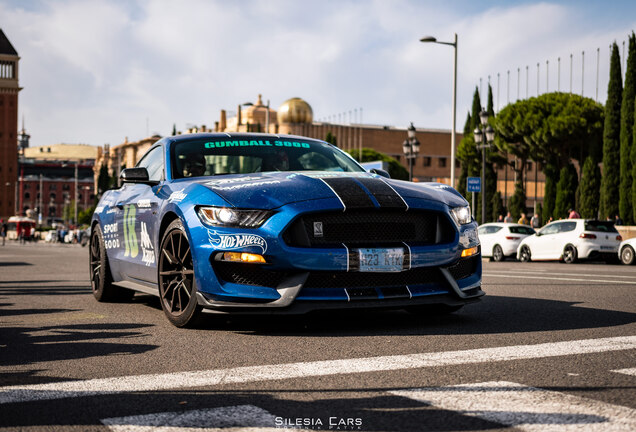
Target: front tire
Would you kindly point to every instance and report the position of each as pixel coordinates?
(569, 254)
(525, 255)
(101, 278)
(176, 277)
(497, 254)
(627, 255)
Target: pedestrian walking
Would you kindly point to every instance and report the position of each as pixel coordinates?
(573, 214)
(3, 230)
(618, 220)
(509, 218)
(535, 222)
(523, 220)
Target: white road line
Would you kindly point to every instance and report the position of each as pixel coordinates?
(493, 275)
(246, 417)
(631, 371)
(177, 380)
(560, 274)
(526, 408)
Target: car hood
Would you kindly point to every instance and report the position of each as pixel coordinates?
(354, 190)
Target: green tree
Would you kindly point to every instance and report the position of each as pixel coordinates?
(490, 176)
(463, 176)
(396, 170)
(566, 190)
(496, 204)
(550, 190)
(611, 139)
(626, 135)
(331, 139)
(517, 202)
(589, 189)
(174, 129)
(84, 216)
(103, 180)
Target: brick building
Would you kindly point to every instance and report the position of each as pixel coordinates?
(9, 89)
(48, 179)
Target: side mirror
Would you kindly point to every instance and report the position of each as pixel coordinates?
(538, 234)
(380, 172)
(134, 175)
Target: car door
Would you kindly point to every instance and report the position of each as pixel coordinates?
(561, 238)
(138, 206)
(485, 233)
(543, 243)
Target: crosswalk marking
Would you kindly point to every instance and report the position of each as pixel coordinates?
(631, 371)
(241, 417)
(554, 278)
(176, 380)
(527, 408)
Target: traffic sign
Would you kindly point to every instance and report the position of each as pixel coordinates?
(473, 184)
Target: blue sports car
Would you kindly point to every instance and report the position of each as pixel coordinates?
(261, 223)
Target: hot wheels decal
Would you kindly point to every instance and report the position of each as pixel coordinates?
(177, 196)
(236, 241)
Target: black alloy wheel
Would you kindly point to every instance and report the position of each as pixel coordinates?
(497, 254)
(525, 255)
(101, 278)
(627, 255)
(569, 254)
(176, 277)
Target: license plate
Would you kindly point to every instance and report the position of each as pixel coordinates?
(610, 248)
(381, 260)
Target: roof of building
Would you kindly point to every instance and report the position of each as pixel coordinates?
(5, 45)
(62, 152)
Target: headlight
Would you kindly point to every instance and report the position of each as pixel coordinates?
(461, 215)
(229, 217)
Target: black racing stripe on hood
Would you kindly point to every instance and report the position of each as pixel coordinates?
(386, 196)
(349, 192)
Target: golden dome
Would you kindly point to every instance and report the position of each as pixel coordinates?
(295, 110)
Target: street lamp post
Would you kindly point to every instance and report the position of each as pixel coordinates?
(411, 148)
(483, 133)
(453, 135)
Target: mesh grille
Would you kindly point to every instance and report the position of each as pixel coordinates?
(248, 274)
(419, 276)
(370, 227)
(464, 267)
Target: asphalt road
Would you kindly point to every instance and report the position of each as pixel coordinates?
(551, 347)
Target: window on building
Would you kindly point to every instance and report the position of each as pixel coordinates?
(426, 161)
(442, 162)
(66, 187)
(458, 163)
(529, 166)
(27, 186)
(51, 211)
(52, 196)
(27, 196)
(53, 186)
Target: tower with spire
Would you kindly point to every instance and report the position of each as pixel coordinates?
(9, 89)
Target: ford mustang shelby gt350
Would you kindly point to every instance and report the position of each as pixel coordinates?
(266, 223)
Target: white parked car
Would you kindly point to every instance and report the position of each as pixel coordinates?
(572, 239)
(500, 240)
(626, 251)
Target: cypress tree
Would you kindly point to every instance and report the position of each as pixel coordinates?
(517, 202)
(589, 189)
(610, 181)
(550, 190)
(566, 189)
(103, 180)
(626, 136)
(461, 185)
(496, 204)
(174, 129)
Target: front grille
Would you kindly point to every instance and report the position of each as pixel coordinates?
(369, 227)
(418, 276)
(464, 267)
(248, 274)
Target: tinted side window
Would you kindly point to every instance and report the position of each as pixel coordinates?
(521, 230)
(153, 162)
(600, 226)
(567, 227)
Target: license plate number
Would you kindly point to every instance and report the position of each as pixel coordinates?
(381, 260)
(610, 248)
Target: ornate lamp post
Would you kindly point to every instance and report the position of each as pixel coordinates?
(483, 133)
(411, 148)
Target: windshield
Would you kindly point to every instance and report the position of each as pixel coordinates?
(600, 226)
(246, 155)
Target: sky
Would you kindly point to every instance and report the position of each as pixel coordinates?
(101, 71)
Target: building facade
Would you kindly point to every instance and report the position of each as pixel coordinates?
(53, 179)
(9, 89)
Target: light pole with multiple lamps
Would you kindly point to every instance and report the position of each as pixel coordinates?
(485, 134)
(411, 148)
(432, 39)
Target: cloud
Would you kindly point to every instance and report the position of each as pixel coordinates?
(97, 71)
